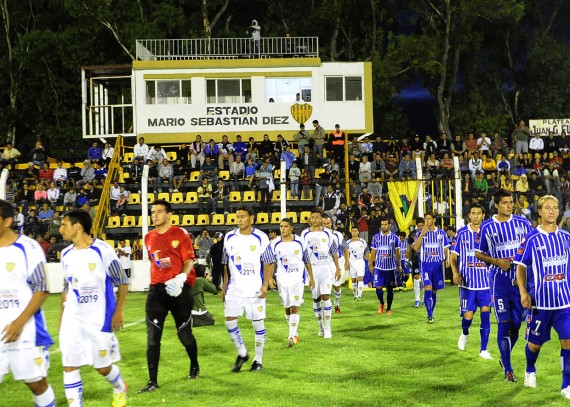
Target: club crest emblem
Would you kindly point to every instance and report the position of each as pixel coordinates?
(296, 251)
(102, 353)
(39, 361)
(92, 266)
(252, 248)
(260, 308)
(301, 112)
(10, 266)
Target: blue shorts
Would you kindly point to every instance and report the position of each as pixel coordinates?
(384, 278)
(541, 321)
(432, 274)
(506, 299)
(406, 266)
(470, 300)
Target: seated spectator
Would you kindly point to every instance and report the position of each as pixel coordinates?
(40, 196)
(197, 150)
(10, 155)
(95, 153)
(237, 170)
(475, 164)
(60, 175)
(432, 166)
(484, 144)
(221, 193)
(405, 147)
(507, 184)
(443, 145)
(212, 150)
(152, 171)
(536, 185)
(204, 192)
(226, 150)
(179, 174)
(114, 195)
(99, 171)
(480, 185)
(378, 167)
(31, 225)
(165, 174)
(354, 147)
(430, 146)
(250, 171)
(45, 173)
(375, 187)
(333, 166)
(31, 175)
(365, 198)
(536, 144)
(53, 195)
(136, 170)
(407, 168)
(498, 145)
(252, 151)
(209, 170)
(240, 149)
(446, 166)
(89, 209)
(19, 221)
(504, 166)
(38, 154)
(265, 148)
(73, 174)
(54, 224)
(489, 164)
(458, 146)
(392, 168)
(471, 143)
(44, 217)
(279, 147)
(70, 199)
(521, 185)
(200, 314)
(123, 199)
(24, 198)
(140, 150)
(87, 174)
(107, 154)
(366, 148)
(365, 170)
(156, 154)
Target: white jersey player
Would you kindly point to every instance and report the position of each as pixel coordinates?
(292, 260)
(24, 340)
(90, 313)
(341, 247)
(357, 250)
(322, 247)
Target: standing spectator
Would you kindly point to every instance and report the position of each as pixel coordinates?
(221, 193)
(107, 154)
(240, 149)
(165, 174)
(331, 202)
(156, 154)
(60, 175)
(38, 154)
(124, 253)
(179, 174)
(212, 150)
(294, 175)
(319, 136)
(337, 142)
(363, 225)
(255, 37)
(95, 153)
(309, 160)
(226, 153)
(204, 192)
(289, 157)
(10, 155)
(264, 177)
(46, 173)
(140, 150)
(136, 171)
(302, 138)
(197, 152)
(306, 184)
(216, 256)
(521, 136)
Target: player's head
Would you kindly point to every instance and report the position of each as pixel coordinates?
(200, 270)
(6, 214)
(476, 214)
(286, 227)
(316, 218)
(161, 212)
(354, 231)
(385, 225)
(429, 219)
(244, 216)
(75, 223)
(122, 242)
(420, 222)
(548, 209)
(504, 202)
(327, 221)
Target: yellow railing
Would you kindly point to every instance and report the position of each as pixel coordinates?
(112, 175)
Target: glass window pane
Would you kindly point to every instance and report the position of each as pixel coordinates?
(353, 88)
(150, 92)
(211, 91)
(229, 91)
(333, 88)
(246, 90)
(186, 92)
(168, 92)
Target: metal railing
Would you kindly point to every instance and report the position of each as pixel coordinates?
(226, 48)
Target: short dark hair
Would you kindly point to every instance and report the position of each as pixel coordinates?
(420, 220)
(164, 203)
(289, 221)
(6, 210)
(247, 209)
(500, 194)
(479, 206)
(317, 211)
(82, 217)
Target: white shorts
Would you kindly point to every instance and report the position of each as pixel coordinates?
(323, 281)
(291, 293)
(357, 270)
(82, 345)
(335, 282)
(254, 307)
(29, 365)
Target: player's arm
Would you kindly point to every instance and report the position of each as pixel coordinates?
(37, 282)
(526, 300)
(121, 281)
(456, 276)
(446, 253)
(418, 243)
(371, 261)
(504, 264)
(309, 268)
(398, 260)
(226, 281)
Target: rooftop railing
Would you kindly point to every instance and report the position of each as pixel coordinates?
(227, 48)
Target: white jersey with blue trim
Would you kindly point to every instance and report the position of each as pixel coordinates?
(290, 258)
(90, 276)
(340, 242)
(432, 249)
(244, 254)
(321, 245)
(472, 270)
(501, 240)
(545, 255)
(22, 274)
(385, 246)
(357, 249)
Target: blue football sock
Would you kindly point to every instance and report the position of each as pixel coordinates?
(380, 295)
(514, 334)
(465, 324)
(531, 358)
(504, 342)
(565, 363)
(428, 302)
(485, 330)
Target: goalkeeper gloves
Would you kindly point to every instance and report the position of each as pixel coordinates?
(174, 285)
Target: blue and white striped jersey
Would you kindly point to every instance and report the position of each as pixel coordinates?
(290, 258)
(501, 240)
(385, 246)
(432, 249)
(321, 245)
(472, 270)
(545, 257)
(403, 247)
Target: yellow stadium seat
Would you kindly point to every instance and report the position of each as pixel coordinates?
(194, 176)
(129, 222)
(177, 198)
(188, 220)
(276, 195)
(164, 195)
(262, 218)
(175, 220)
(150, 197)
(171, 155)
(110, 242)
(134, 199)
(276, 217)
(225, 175)
(128, 157)
(218, 219)
(248, 196)
(307, 198)
(114, 222)
(203, 219)
(318, 172)
(276, 173)
(231, 219)
(304, 217)
(191, 197)
(140, 220)
(292, 216)
(235, 196)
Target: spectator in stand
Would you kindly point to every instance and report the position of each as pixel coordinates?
(550, 143)
(165, 174)
(156, 154)
(417, 146)
(123, 199)
(563, 142)
(226, 153)
(471, 143)
(212, 150)
(197, 151)
(136, 171)
(45, 216)
(87, 174)
(430, 146)
(480, 185)
(10, 155)
(89, 209)
(446, 167)
(99, 171)
(489, 165)
(60, 175)
(240, 148)
(522, 187)
(537, 165)
(94, 191)
(319, 137)
(73, 173)
(209, 170)
(179, 174)
(365, 170)
(140, 151)
(475, 164)
(288, 156)
(404, 149)
(152, 171)
(70, 199)
(82, 197)
(31, 225)
(520, 137)
(407, 168)
(536, 144)
(498, 145)
(333, 166)
(331, 202)
(53, 195)
(40, 195)
(114, 195)
(54, 224)
(337, 143)
(107, 154)
(237, 171)
(302, 138)
(183, 153)
(392, 168)
(507, 184)
(353, 167)
(432, 166)
(294, 176)
(204, 192)
(95, 153)
(221, 193)
(380, 147)
(306, 184)
(309, 161)
(363, 225)
(279, 147)
(354, 147)
(365, 198)
(483, 144)
(265, 148)
(504, 166)
(46, 173)
(250, 170)
(366, 149)
(375, 187)
(536, 185)
(38, 154)
(25, 198)
(264, 177)
(443, 145)
(378, 167)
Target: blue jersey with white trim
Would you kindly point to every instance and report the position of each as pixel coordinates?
(472, 270)
(501, 240)
(432, 249)
(545, 256)
(385, 246)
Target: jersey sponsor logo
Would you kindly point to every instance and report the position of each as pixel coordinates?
(10, 266)
(554, 277)
(175, 243)
(92, 266)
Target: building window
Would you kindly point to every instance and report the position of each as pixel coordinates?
(343, 88)
(168, 92)
(285, 90)
(228, 90)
